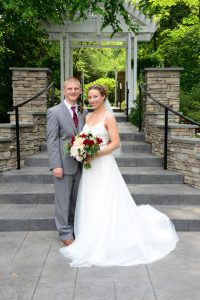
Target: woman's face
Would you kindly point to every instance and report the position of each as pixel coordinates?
(95, 98)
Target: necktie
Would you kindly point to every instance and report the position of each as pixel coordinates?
(75, 117)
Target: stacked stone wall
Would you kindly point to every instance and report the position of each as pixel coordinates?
(183, 145)
(27, 82)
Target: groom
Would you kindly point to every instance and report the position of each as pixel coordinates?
(64, 121)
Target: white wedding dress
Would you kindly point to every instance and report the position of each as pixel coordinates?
(110, 229)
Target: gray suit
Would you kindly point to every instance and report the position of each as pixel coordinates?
(60, 129)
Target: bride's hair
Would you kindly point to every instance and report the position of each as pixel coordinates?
(101, 88)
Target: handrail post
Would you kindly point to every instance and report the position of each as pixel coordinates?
(140, 110)
(127, 102)
(17, 137)
(166, 139)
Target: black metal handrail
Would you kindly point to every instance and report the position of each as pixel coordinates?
(16, 108)
(127, 102)
(167, 109)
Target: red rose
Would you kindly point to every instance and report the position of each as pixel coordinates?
(91, 143)
(83, 135)
(99, 140)
(88, 142)
(72, 140)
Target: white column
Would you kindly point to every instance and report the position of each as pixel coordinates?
(116, 86)
(129, 69)
(66, 56)
(61, 66)
(135, 69)
(70, 61)
(82, 85)
(126, 74)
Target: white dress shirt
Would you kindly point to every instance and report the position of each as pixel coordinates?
(69, 108)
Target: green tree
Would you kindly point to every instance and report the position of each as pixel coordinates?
(96, 63)
(176, 41)
(24, 44)
(109, 83)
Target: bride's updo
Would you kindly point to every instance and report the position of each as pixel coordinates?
(101, 88)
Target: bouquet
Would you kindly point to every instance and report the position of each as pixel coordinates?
(83, 147)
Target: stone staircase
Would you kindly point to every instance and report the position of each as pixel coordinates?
(27, 195)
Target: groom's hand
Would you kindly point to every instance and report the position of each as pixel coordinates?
(58, 172)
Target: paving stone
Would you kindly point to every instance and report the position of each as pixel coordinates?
(9, 245)
(38, 271)
(135, 291)
(60, 291)
(94, 291)
(179, 281)
(112, 274)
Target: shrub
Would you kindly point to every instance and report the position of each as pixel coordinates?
(134, 114)
(190, 103)
(108, 82)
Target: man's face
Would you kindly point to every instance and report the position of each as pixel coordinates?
(72, 91)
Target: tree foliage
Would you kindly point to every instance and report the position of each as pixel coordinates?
(109, 83)
(23, 44)
(176, 42)
(96, 63)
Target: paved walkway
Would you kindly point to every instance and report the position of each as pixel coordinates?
(31, 267)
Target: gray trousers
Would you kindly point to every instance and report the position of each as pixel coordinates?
(66, 190)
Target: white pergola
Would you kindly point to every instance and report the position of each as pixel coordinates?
(72, 35)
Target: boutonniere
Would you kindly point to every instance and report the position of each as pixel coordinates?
(80, 108)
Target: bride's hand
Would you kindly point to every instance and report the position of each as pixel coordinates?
(98, 154)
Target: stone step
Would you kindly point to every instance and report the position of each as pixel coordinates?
(125, 160)
(131, 136)
(135, 146)
(36, 217)
(26, 193)
(120, 116)
(150, 175)
(136, 175)
(126, 146)
(166, 194)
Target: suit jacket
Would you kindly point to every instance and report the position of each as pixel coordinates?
(60, 129)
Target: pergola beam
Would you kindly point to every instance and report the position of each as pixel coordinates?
(97, 46)
(82, 28)
(141, 38)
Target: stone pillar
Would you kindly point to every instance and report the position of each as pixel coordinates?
(26, 83)
(164, 85)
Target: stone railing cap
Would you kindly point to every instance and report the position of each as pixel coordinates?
(187, 140)
(163, 69)
(5, 139)
(176, 125)
(12, 125)
(152, 113)
(30, 69)
(28, 113)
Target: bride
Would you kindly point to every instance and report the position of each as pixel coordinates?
(110, 229)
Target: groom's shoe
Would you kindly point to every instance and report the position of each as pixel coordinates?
(67, 242)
